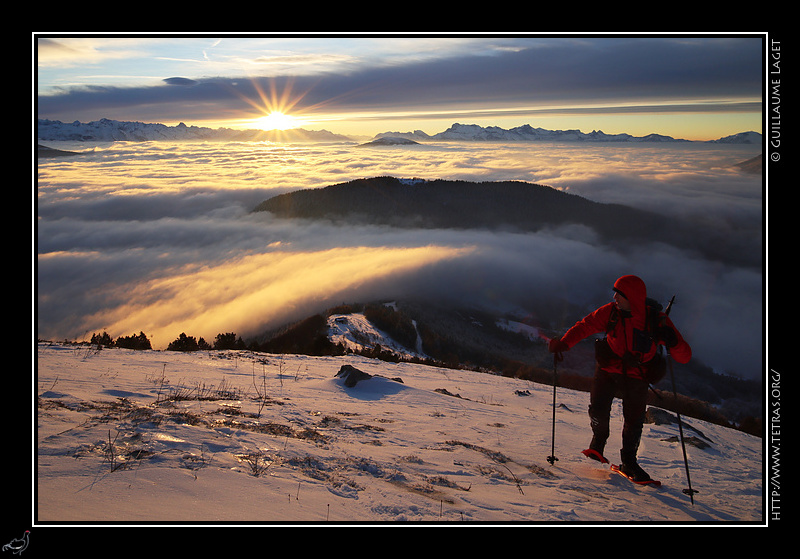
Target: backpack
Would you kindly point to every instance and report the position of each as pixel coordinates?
(654, 369)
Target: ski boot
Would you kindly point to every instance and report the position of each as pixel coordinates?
(634, 472)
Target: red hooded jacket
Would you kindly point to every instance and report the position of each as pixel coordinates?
(627, 334)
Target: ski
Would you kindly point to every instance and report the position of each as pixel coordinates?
(653, 482)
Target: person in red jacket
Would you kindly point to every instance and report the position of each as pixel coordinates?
(623, 358)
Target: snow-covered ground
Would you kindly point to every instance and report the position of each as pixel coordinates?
(357, 334)
(218, 437)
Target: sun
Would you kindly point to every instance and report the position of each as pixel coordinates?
(276, 120)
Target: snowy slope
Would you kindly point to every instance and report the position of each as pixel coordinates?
(356, 333)
(165, 437)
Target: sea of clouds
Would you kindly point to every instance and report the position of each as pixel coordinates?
(159, 237)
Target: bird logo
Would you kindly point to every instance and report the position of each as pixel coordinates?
(18, 545)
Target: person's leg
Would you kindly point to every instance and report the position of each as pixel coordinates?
(634, 405)
(601, 397)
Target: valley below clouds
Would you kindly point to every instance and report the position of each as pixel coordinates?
(161, 238)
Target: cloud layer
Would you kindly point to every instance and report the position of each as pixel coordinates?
(159, 238)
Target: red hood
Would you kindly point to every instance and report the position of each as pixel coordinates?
(635, 291)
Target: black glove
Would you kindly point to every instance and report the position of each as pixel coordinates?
(667, 335)
(557, 346)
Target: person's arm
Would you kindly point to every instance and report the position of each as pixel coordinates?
(592, 323)
(678, 348)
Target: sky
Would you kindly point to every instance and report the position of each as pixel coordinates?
(690, 87)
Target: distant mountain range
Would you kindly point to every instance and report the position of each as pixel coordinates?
(106, 130)
(527, 133)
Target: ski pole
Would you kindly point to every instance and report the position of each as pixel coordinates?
(689, 491)
(552, 458)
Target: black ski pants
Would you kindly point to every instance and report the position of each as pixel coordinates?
(633, 392)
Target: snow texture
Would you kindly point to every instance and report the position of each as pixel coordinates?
(234, 436)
